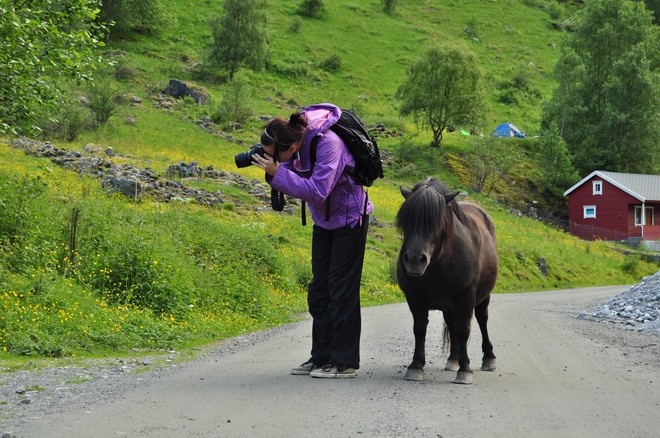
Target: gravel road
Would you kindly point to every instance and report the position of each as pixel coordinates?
(558, 376)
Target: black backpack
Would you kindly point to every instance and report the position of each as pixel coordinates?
(363, 147)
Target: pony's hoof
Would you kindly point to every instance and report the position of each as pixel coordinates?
(464, 377)
(415, 374)
(452, 365)
(488, 365)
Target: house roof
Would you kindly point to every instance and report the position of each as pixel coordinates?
(642, 187)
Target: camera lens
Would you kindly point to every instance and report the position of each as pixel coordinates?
(244, 159)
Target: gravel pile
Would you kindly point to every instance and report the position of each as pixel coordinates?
(638, 308)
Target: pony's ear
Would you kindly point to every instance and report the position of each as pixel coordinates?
(450, 196)
(404, 191)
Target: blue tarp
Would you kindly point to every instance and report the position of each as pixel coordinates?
(507, 130)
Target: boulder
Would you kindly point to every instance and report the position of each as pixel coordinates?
(180, 89)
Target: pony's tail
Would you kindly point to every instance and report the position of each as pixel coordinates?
(446, 340)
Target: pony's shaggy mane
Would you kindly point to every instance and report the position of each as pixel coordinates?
(424, 211)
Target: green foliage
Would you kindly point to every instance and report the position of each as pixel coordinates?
(240, 37)
(332, 64)
(443, 88)
(519, 88)
(142, 16)
(296, 25)
(16, 206)
(71, 119)
(555, 161)
(235, 104)
(41, 42)
(103, 101)
(654, 7)
(389, 6)
(607, 104)
(491, 161)
(312, 9)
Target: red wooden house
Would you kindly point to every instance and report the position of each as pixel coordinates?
(615, 206)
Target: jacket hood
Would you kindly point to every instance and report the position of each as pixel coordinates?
(320, 117)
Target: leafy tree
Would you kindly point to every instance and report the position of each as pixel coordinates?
(555, 160)
(443, 88)
(41, 43)
(607, 103)
(240, 37)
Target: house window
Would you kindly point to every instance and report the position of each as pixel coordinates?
(646, 219)
(598, 187)
(589, 212)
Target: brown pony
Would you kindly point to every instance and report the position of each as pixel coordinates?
(448, 262)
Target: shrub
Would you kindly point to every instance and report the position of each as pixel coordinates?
(332, 64)
(102, 102)
(235, 104)
(389, 6)
(71, 120)
(312, 9)
(296, 25)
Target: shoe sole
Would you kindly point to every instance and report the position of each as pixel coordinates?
(334, 376)
(300, 373)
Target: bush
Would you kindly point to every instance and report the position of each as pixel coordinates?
(296, 25)
(71, 120)
(102, 102)
(312, 9)
(235, 104)
(332, 64)
(389, 6)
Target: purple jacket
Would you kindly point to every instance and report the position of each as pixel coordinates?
(327, 180)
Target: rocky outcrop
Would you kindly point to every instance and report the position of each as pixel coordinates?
(180, 89)
(135, 183)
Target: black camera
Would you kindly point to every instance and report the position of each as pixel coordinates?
(244, 159)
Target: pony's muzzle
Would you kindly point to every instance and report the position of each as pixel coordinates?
(415, 263)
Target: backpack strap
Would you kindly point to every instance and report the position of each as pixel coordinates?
(312, 150)
(277, 200)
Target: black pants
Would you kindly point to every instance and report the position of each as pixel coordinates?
(334, 294)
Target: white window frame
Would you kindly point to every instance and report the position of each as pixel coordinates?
(585, 210)
(640, 214)
(597, 187)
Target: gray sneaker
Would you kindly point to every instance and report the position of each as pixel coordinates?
(334, 372)
(304, 369)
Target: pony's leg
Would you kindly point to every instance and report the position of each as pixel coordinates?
(481, 313)
(420, 323)
(464, 312)
(450, 321)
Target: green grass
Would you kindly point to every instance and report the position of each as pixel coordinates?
(153, 276)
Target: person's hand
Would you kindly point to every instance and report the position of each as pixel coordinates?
(266, 163)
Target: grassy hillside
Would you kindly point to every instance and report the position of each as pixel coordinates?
(83, 271)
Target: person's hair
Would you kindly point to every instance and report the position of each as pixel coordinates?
(283, 133)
